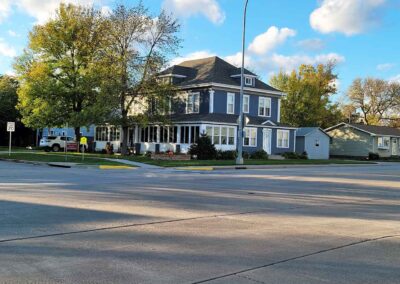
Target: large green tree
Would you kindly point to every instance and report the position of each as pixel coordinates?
(8, 100)
(60, 71)
(308, 96)
(138, 47)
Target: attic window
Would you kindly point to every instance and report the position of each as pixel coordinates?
(248, 81)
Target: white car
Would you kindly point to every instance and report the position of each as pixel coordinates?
(56, 143)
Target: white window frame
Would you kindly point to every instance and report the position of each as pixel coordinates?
(228, 130)
(248, 81)
(381, 142)
(283, 146)
(247, 133)
(267, 102)
(246, 110)
(230, 95)
(195, 98)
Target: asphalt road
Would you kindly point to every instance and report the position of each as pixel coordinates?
(296, 225)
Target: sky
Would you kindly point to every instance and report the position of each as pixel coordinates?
(362, 36)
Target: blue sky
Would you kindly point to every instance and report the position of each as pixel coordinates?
(363, 36)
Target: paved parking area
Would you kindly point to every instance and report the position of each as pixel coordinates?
(328, 224)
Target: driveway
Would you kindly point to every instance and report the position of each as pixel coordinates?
(336, 224)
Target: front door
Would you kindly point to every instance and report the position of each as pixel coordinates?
(267, 137)
(395, 147)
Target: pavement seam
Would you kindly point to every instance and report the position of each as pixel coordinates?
(296, 258)
(131, 225)
(250, 279)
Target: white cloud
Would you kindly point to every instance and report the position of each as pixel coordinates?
(236, 59)
(39, 9)
(385, 66)
(12, 33)
(191, 56)
(10, 73)
(106, 10)
(349, 17)
(269, 40)
(5, 7)
(312, 44)
(7, 50)
(288, 63)
(186, 8)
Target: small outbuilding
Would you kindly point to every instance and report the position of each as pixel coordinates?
(314, 141)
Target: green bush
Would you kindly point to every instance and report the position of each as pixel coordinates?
(246, 155)
(203, 149)
(373, 156)
(295, 156)
(259, 155)
(226, 155)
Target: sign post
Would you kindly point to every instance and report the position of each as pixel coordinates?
(83, 142)
(11, 129)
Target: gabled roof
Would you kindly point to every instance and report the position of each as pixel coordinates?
(211, 70)
(370, 129)
(304, 131)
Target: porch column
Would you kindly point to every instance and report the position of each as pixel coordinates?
(136, 134)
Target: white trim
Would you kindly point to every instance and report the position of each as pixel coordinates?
(294, 140)
(172, 75)
(270, 106)
(278, 119)
(187, 99)
(277, 138)
(248, 109)
(228, 95)
(239, 75)
(254, 90)
(211, 103)
(268, 121)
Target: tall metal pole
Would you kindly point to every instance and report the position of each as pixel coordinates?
(239, 159)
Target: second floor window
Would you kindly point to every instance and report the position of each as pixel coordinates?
(246, 103)
(193, 103)
(230, 103)
(264, 106)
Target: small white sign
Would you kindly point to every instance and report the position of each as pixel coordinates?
(11, 126)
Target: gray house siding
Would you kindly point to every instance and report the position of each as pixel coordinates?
(347, 141)
(317, 152)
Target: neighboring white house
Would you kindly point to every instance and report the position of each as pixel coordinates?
(314, 141)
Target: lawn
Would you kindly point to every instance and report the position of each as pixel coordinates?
(54, 158)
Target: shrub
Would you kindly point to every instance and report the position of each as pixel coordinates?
(148, 154)
(203, 149)
(246, 155)
(373, 156)
(226, 155)
(259, 155)
(295, 156)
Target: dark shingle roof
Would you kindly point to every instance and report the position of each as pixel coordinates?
(378, 130)
(221, 118)
(211, 70)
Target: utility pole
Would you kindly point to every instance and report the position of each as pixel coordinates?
(239, 159)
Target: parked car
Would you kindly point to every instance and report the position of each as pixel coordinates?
(57, 143)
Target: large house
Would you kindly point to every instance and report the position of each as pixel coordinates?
(209, 103)
(359, 140)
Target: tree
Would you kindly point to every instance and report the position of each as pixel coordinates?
(376, 99)
(137, 49)
(59, 72)
(8, 99)
(204, 149)
(308, 90)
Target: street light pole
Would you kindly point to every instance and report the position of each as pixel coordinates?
(239, 159)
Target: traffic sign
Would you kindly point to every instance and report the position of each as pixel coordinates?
(83, 140)
(11, 126)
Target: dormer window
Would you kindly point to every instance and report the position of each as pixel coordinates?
(248, 81)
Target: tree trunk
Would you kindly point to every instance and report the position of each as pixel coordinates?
(78, 136)
(124, 146)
